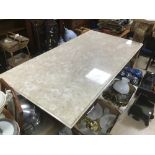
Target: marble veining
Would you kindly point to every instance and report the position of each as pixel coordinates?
(58, 82)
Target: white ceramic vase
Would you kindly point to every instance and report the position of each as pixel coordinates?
(122, 86)
(2, 101)
(69, 34)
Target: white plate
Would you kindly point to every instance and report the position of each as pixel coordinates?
(96, 112)
(8, 127)
(107, 121)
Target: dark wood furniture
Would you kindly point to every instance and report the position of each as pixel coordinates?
(12, 25)
(76, 23)
(18, 117)
(142, 109)
(21, 26)
(14, 45)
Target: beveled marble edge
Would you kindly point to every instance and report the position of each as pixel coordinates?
(90, 104)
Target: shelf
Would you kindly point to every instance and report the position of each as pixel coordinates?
(99, 130)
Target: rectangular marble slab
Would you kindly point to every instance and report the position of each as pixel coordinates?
(66, 80)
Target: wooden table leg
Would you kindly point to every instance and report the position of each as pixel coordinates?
(28, 51)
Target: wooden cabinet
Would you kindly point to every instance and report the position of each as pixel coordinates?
(21, 26)
(75, 23)
(12, 25)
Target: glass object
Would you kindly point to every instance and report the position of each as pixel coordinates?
(107, 122)
(122, 86)
(65, 131)
(96, 112)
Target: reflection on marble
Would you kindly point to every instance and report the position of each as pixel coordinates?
(56, 80)
(98, 76)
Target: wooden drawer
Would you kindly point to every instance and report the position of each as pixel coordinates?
(103, 104)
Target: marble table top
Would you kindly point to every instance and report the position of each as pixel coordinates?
(66, 80)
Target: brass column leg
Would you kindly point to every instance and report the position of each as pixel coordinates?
(13, 59)
(28, 50)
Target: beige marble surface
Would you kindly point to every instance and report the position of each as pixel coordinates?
(66, 80)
